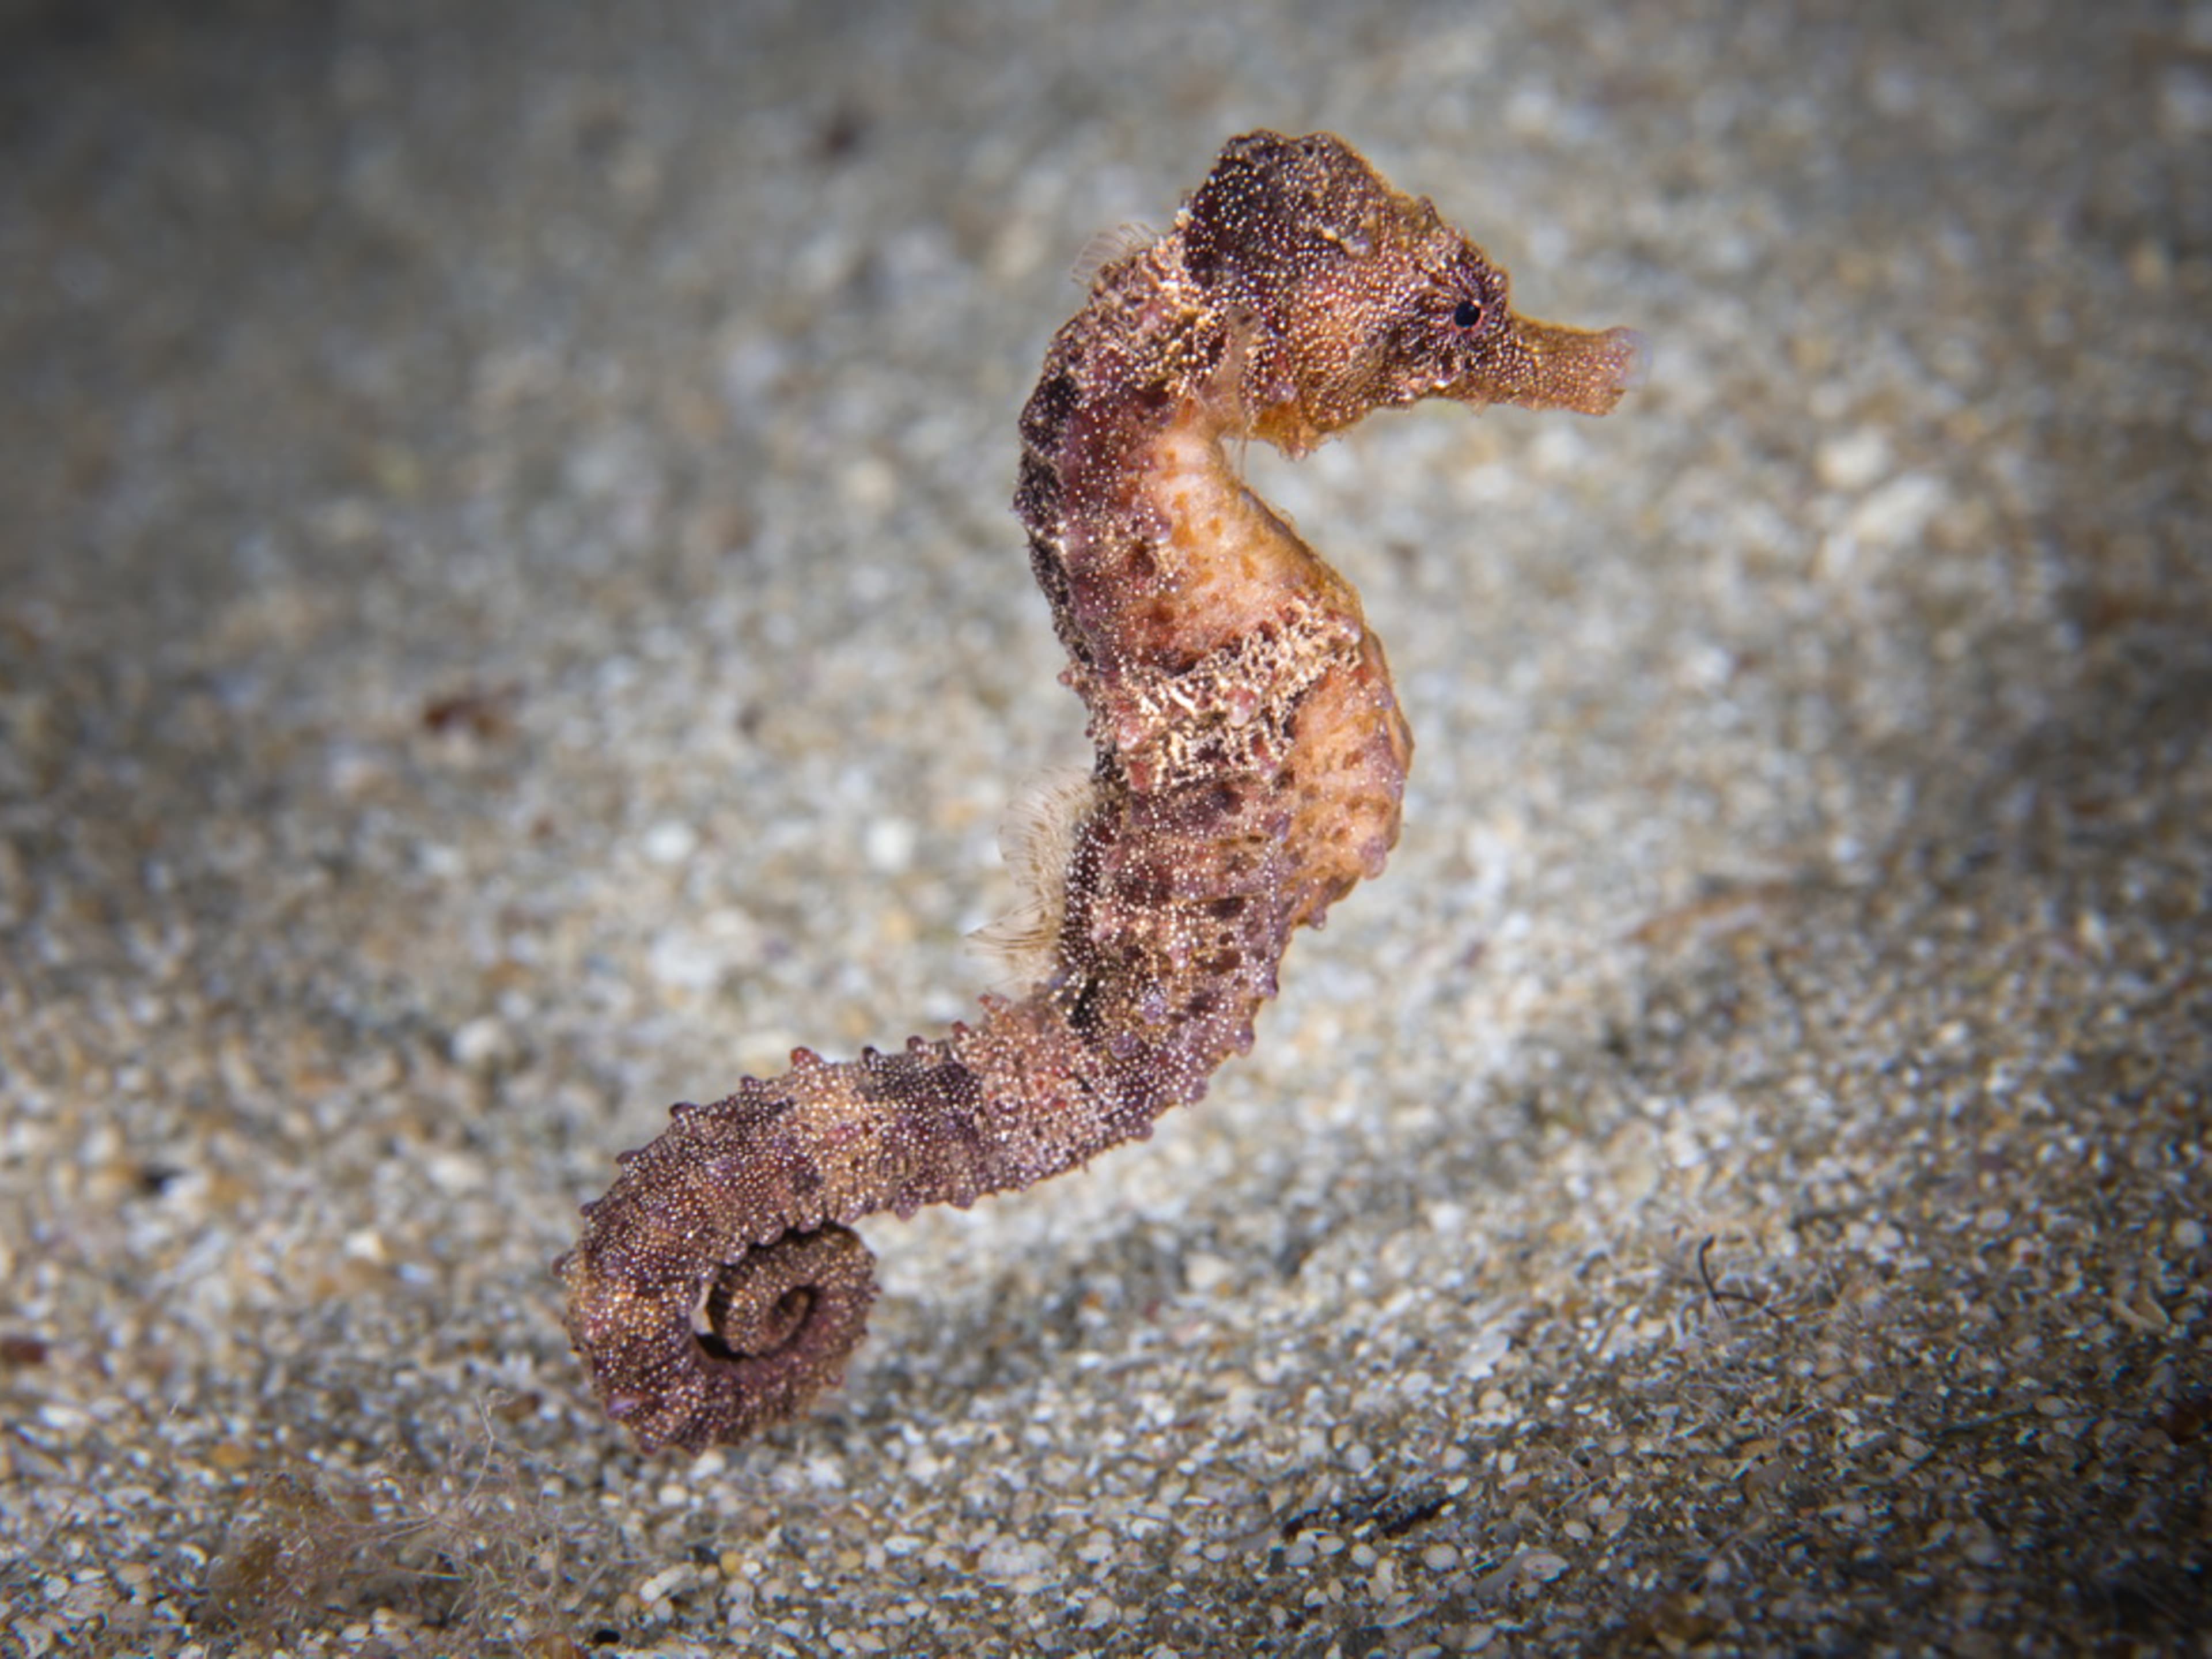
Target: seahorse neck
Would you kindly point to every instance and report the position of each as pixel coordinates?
(1131, 382)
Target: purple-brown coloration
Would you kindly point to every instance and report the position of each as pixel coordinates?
(1251, 759)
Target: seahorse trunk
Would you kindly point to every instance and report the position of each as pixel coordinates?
(1250, 767)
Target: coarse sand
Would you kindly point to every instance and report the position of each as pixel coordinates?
(508, 619)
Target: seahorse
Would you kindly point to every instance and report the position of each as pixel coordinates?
(1251, 760)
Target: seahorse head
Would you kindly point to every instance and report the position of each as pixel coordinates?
(1349, 296)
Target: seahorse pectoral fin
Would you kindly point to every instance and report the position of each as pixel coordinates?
(1540, 365)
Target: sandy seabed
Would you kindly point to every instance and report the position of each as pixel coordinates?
(508, 619)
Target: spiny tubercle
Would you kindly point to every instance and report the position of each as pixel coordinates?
(1251, 760)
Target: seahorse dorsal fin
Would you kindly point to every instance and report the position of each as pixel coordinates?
(1036, 838)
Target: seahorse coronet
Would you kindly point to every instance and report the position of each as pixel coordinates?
(1250, 767)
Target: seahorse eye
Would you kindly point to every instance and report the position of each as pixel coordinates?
(1466, 314)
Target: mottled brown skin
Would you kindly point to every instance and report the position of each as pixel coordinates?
(1251, 760)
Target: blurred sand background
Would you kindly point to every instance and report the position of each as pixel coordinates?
(508, 619)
